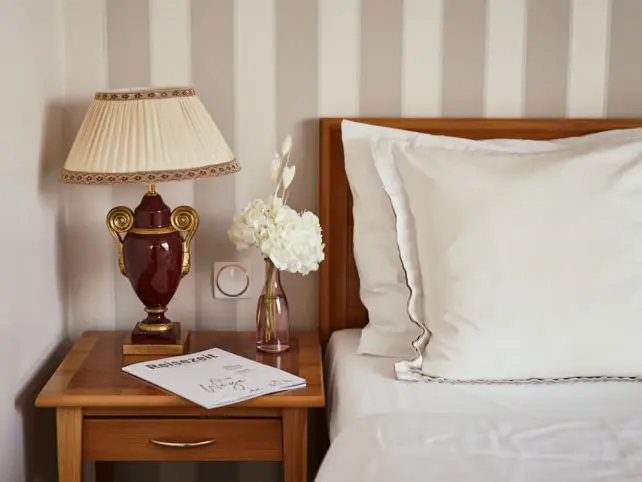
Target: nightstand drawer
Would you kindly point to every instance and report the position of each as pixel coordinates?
(180, 439)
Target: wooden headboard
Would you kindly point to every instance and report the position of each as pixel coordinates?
(339, 302)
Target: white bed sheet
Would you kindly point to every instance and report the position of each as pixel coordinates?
(383, 429)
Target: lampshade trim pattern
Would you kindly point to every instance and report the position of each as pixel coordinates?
(146, 94)
(150, 177)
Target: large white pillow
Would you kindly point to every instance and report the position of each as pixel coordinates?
(528, 265)
(383, 286)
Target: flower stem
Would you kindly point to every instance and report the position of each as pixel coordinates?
(270, 332)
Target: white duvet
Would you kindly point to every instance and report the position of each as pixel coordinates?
(383, 429)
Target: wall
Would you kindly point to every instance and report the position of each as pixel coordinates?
(31, 279)
(265, 68)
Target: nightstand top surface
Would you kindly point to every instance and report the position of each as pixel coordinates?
(91, 374)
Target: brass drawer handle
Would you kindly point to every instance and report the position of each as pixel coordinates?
(182, 445)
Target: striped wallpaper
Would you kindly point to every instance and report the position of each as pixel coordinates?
(266, 68)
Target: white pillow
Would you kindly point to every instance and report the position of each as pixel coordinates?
(530, 264)
(382, 279)
(383, 287)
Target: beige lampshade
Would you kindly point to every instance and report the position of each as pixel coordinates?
(147, 136)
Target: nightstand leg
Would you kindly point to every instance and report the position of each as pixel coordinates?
(295, 444)
(69, 428)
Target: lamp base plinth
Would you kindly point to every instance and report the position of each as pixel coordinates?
(143, 342)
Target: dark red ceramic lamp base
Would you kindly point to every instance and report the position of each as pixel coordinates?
(153, 258)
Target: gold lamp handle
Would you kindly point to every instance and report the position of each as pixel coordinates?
(185, 219)
(182, 445)
(120, 220)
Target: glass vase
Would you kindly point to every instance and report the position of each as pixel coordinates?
(272, 314)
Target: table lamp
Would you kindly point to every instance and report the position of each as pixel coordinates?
(150, 136)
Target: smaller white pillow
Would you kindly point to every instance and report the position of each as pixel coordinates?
(383, 288)
(527, 265)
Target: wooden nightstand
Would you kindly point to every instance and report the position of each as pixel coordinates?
(104, 414)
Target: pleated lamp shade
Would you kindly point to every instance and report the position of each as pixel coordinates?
(147, 136)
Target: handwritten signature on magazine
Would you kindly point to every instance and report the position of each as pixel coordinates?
(216, 385)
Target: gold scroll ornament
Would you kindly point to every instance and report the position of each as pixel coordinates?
(120, 220)
(183, 219)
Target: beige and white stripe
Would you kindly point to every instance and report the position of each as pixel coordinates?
(381, 26)
(212, 60)
(625, 68)
(587, 63)
(505, 48)
(546, 62)
(255, 117)
(265, 68)
(422, 32)
(338, 56)
(88, 255)
(296, 112)
(464, 52)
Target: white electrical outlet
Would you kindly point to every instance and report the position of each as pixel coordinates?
(232, 280)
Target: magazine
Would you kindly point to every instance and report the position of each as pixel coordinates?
(214, 378)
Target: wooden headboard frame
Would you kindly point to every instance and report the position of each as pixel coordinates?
(339, 302)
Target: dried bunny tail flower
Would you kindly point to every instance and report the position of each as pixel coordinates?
(288, 177)
(275, 171)
(286, 147)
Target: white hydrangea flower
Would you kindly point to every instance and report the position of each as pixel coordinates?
(292, 241)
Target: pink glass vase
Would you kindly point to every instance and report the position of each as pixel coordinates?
(272, 314)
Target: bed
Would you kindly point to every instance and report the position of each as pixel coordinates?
(382, 429)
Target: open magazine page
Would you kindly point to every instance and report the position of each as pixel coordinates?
(214, 378)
